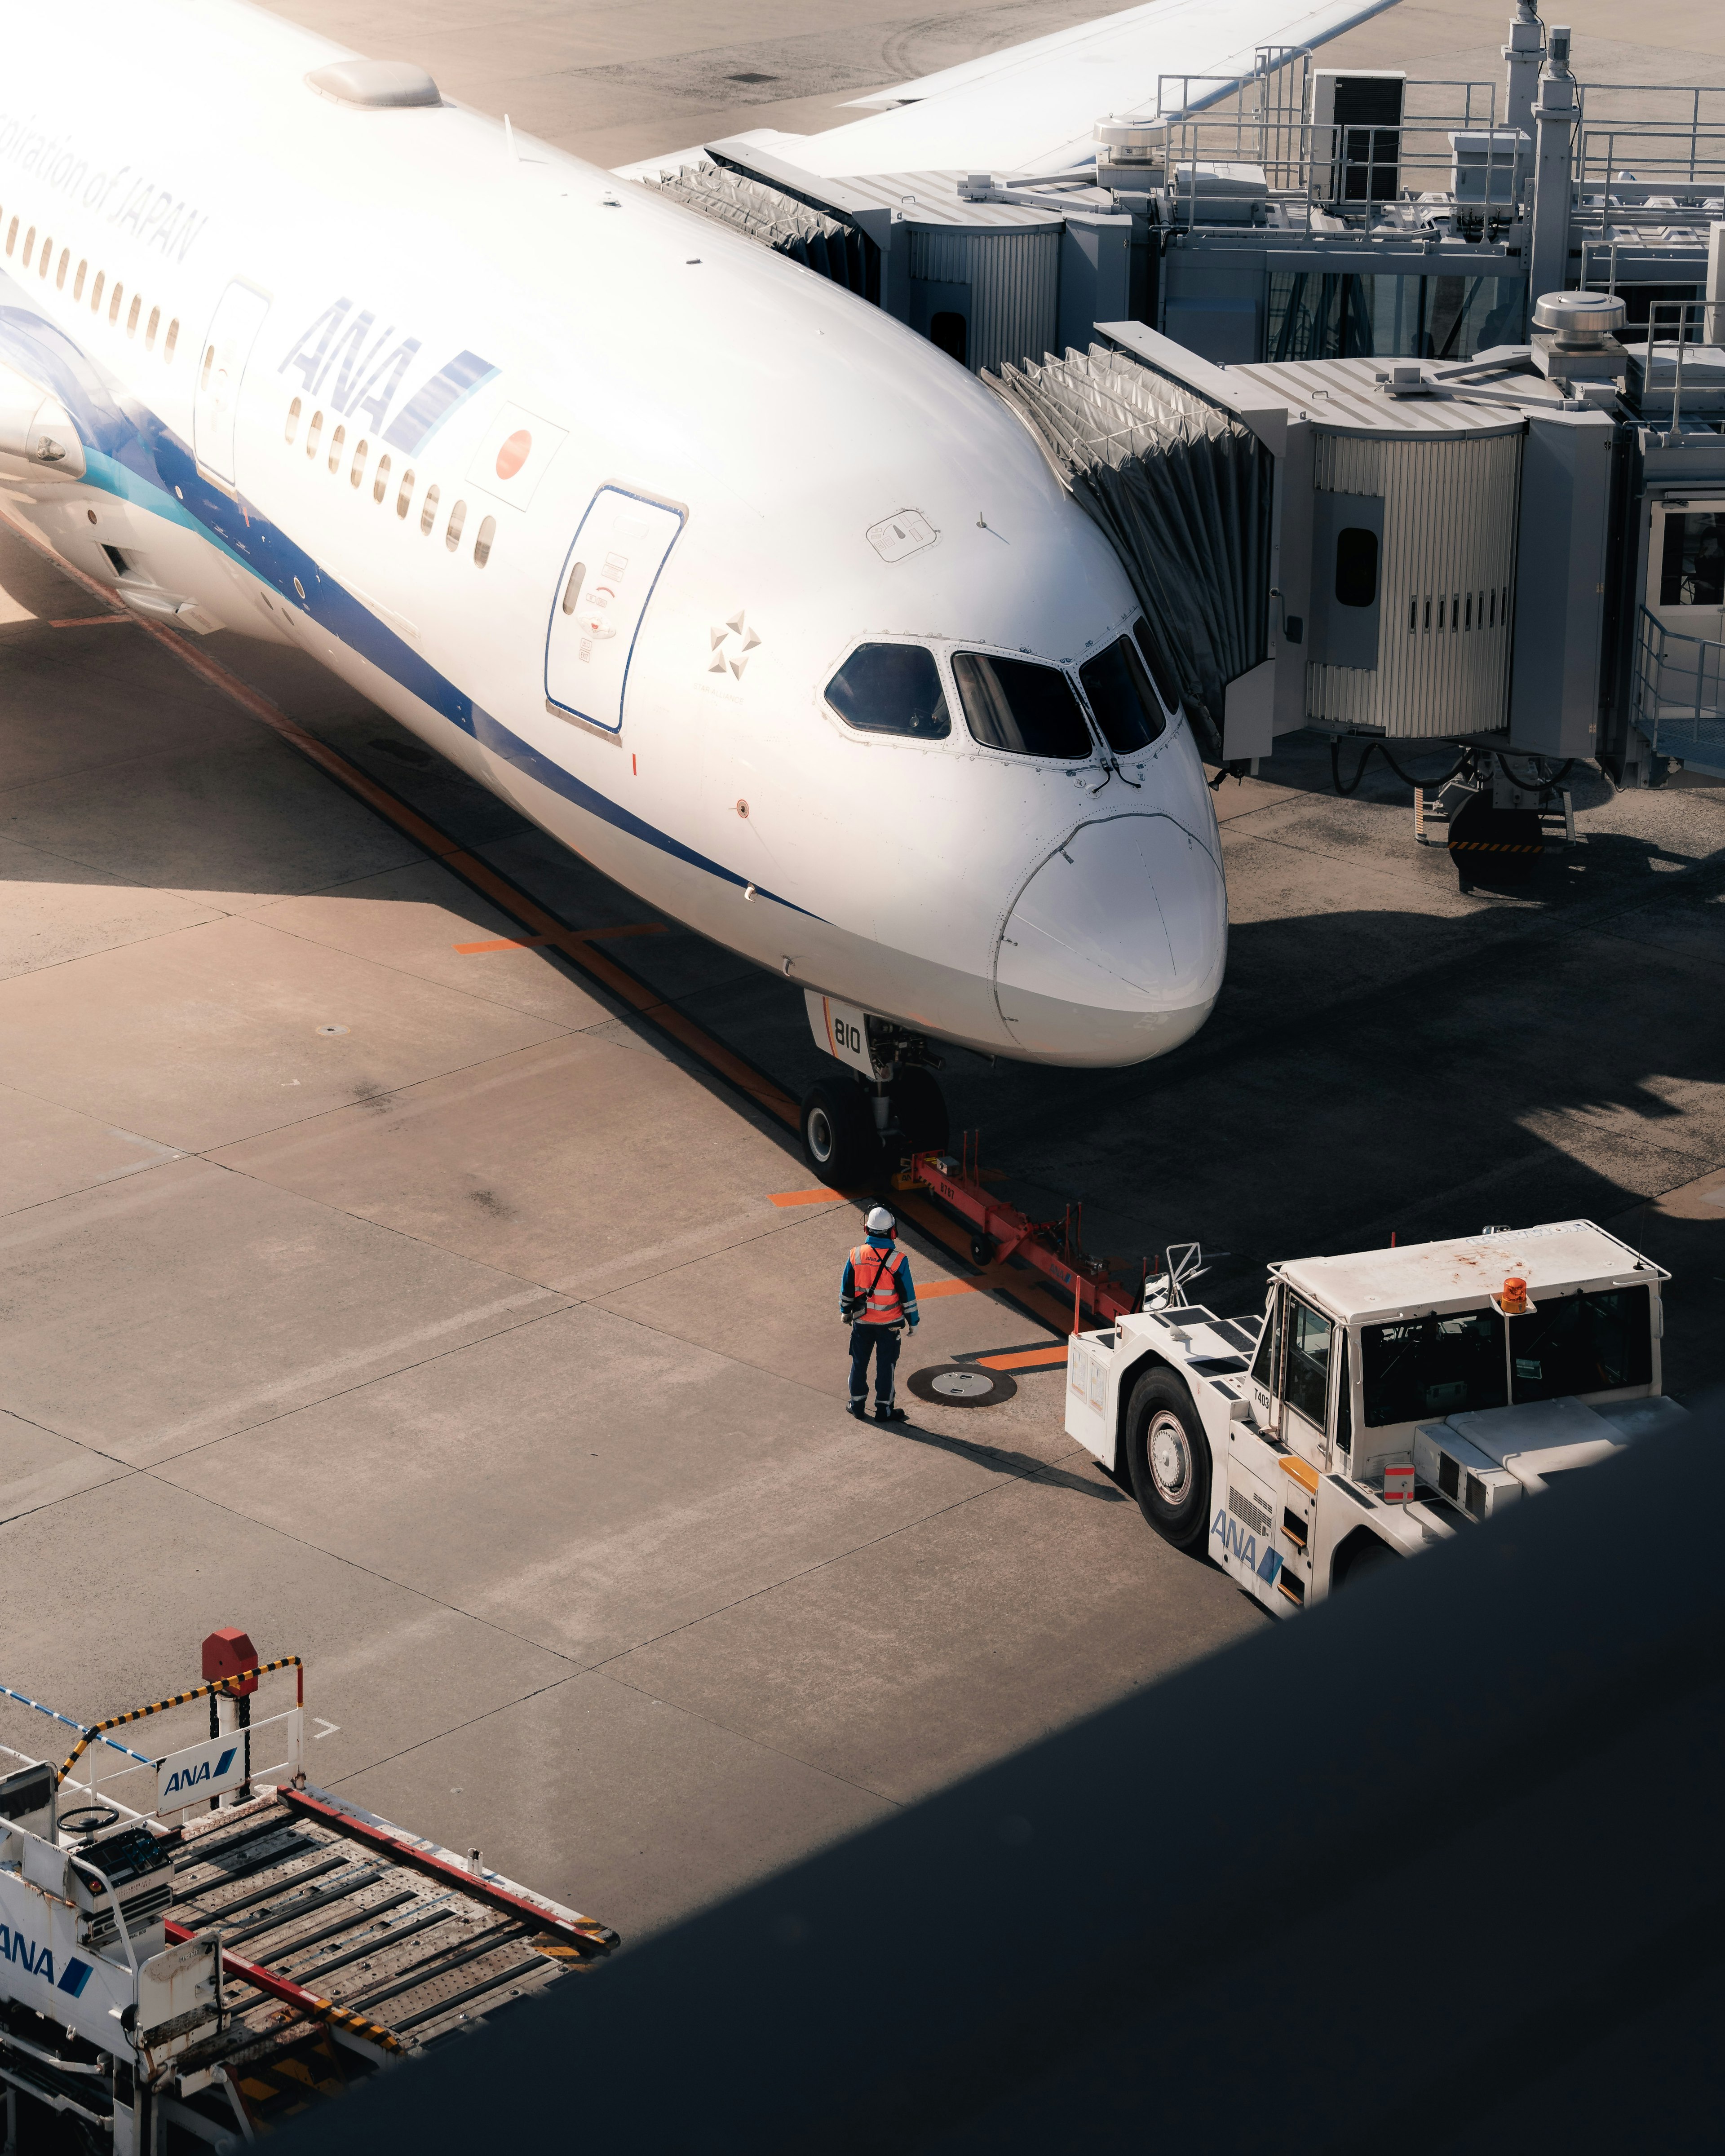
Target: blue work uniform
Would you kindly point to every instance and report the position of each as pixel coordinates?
(878, 1272)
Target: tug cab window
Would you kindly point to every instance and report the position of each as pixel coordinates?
(1022, 706)
(1125, 704)
(891, 689)
(1306, 1379)
(1582, 1343)
(1418, 1368)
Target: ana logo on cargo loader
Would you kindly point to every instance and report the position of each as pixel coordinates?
(1239, 1542)
(38, 1961)
(184, 1779)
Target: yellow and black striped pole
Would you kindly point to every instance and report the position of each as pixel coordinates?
(177, 1699)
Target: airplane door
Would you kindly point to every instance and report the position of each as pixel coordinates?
(608, 578)
(221, 368)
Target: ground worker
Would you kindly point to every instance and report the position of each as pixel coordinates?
(876, 1295)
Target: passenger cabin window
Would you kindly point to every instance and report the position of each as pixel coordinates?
(1124, 702)
(406, 495)
(336, 441)
(95, 292)
(1021, 707)
(46, 261)
(357, 470)
(314, 433)
(482, 542)
(59, 275)
(452, 532)
(30, 242)
(891, 689)
(428, 511)
(78, 281)
(114, 299)
(380, 484)
(155, 323)
(12, 236)
(131, 320)
(1305, 1375)
(293, 421)
(571, 590)
(170, 340)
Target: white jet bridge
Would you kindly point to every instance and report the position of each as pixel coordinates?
(1321, 349)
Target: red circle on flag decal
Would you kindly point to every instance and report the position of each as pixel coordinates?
(514, 454)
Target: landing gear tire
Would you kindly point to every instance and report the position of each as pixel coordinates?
(1168, 1457)
(920, 1108)
(839, 1142)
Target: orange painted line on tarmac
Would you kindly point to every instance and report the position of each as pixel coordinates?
(539, 942)
(805, 1197)
(1029, 1358)
(92, 620)
(947, 1287)
(479, 875)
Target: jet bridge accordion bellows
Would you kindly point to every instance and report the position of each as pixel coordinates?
(777, 220)
(1184, 492)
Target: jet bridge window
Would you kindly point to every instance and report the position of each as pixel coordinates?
(1356, 566)
(891, 689)
(1120, 693)
(1415, 1368)
(1582, 1343)
(1692, 570)
(1021, 707)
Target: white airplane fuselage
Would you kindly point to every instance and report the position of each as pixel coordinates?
(378, 380)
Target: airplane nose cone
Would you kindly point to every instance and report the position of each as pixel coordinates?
(1115, 949)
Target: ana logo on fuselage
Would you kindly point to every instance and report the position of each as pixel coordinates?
(365, 384)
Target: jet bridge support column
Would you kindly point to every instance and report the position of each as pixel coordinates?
(1522, 55)
(1554, 120)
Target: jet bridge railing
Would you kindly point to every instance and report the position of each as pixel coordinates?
(1676, 134)
(1680, 694)
(1357, 169)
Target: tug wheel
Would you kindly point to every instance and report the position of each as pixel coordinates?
(1167, 1458)
(839, 1138)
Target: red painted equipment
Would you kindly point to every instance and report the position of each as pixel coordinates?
(1054, 1247)
(227, 1654)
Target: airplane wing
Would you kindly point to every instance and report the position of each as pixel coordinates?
(1030, 109)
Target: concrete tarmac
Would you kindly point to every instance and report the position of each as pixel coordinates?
(428, 1313)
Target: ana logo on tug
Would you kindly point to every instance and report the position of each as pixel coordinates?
(1238, 1541)
(186, 1779)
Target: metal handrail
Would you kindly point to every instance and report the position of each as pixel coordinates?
(1660, 668)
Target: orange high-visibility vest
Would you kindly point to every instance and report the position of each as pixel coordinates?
(875, 1274)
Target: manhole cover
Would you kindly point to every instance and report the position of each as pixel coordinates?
(961, 1385)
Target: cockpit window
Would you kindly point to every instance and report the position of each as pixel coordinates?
(891, 689)
(1025, 708)
(1122, 697)
(1158, 672)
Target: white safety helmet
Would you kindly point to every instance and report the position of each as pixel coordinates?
(880, 1222)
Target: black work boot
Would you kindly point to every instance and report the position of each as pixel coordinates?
(889, 1414)
(860, 1408)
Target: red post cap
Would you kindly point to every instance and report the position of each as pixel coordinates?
(226, 1653)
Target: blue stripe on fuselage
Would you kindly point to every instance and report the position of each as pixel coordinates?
(150, 467)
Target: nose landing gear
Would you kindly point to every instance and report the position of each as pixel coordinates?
(858, 1127)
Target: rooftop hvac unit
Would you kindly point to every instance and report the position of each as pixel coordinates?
(1356, 134)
